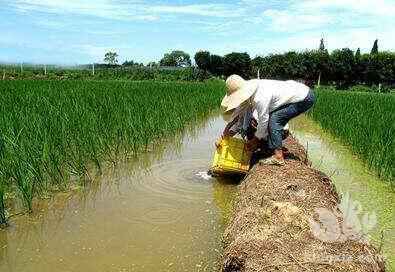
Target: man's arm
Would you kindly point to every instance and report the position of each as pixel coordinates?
(228, 132)
(262, 106)
(228, 129)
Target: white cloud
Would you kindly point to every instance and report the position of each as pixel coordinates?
(367, 7)
(329, 14)
(210, 10)
(285, 20)
(288, 16)
(130, 10)
(100, 8)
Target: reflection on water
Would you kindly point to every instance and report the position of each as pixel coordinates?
(351, 176)
(157, 212)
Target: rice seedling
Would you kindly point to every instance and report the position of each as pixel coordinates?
(364, 121)
(50, 130)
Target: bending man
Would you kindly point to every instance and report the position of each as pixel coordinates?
(275, 102)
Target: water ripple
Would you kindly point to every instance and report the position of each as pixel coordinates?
(180, 180)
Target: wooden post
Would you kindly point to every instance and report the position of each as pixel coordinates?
(4, 74)
(319, 79)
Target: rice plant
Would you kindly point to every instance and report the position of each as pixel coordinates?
(52, 130)
(365, 121)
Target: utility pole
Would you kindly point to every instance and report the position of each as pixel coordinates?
(319, 80)
(93, 69)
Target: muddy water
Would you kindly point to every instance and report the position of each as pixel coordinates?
(369, 194)
(160, 212)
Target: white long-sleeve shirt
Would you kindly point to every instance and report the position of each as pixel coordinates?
(241, 124)
(272, 94)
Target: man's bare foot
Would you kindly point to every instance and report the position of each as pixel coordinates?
(279, 155)
(272, 161)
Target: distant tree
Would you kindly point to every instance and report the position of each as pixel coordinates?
(359, 68)
(202, 59)
(375, 48)
(128, 63)
(358, 54)
(237, 63)
(322, 45)
(167, 60)
(384, 66)
(273, 66)
(176, 58)
(343, 63)
(216, 65)
(257, 61)
(111, 58)
(152, 64)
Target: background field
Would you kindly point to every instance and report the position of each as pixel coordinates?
(49, 72)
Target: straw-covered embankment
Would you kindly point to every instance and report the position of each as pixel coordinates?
(289, 219)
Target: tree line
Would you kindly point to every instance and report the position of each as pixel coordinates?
(341, 67)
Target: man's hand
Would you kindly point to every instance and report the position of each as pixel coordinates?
(253, 144)
(228, 133)
(218, 143)
(228, 129)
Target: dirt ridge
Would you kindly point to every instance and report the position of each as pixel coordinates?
(276, 224)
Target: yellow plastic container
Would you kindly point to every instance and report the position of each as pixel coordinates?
(231, 157)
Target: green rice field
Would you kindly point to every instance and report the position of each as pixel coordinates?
(365, 122)
(54, 131)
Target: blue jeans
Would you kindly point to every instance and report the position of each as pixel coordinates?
(281, 116)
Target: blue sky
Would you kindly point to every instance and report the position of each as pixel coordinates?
(81, 31)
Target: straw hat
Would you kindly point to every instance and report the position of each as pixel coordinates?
(238, 91)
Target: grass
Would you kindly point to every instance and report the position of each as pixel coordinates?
(365, 121)
(51, 131)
